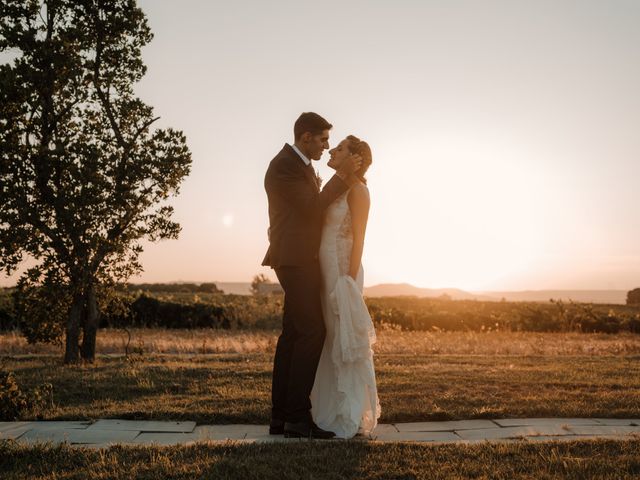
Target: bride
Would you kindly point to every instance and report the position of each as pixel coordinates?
(344, 397)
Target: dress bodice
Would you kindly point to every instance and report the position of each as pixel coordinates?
(337, 234)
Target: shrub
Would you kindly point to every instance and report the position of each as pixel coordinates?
(16, 403)
(633, 297)
(42, 308)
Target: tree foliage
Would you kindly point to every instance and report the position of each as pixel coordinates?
(83, 176)
(633, 297)
(257, 282)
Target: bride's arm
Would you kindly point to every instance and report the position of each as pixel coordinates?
(358, 199)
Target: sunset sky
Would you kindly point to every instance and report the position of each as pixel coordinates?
(505, 134)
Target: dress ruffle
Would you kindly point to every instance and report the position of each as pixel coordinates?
(351, 356)
(355, 334)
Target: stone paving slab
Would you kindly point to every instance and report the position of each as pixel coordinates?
(618, 421)
(418, 437)
(512, 432)
(382, 429)
(36, 436)
(15, 432)
(448, 426)
(605, 430)
(518, 422)
(166, 438)
(227, 432)
(144, 425)
(82, 436)
(5, 426)
(47, 425)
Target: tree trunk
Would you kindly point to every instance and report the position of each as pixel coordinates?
(90, 327)
(72, 350)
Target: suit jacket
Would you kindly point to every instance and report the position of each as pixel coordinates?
(296, 209)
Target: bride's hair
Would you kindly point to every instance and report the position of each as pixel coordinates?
(361, 148)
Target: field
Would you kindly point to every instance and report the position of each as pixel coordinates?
(217, 376)
(224, 376)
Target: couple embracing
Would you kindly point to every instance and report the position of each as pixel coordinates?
(324, 382)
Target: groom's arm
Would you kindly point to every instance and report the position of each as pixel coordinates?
(293, 187)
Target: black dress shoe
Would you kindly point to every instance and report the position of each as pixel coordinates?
(276, 427)
(305, 430)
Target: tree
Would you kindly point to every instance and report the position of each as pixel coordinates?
(633, 297)
(83, 176)
(256, 283)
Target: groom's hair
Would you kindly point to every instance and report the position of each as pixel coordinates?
(310, 122)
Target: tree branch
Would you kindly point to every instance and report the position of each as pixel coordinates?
(102, 95)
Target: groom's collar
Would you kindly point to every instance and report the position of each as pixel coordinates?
(306, 161)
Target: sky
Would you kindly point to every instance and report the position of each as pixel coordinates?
(505, 134)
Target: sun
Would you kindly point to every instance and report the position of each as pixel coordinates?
(469, 216)
(227, 220)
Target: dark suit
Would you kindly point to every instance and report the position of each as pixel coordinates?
(296, 212)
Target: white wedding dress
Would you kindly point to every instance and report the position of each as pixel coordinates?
(344, 397)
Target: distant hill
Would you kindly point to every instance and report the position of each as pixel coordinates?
(585, 296)
(400, 289)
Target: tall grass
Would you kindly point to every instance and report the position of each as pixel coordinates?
(390, 341)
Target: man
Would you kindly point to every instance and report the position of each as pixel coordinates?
(296, 209)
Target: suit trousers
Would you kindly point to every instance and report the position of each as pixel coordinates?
(300, 343)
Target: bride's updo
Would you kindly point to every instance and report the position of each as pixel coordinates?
(362, 148)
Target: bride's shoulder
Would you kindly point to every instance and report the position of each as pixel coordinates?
(358, 194)
(359, 188)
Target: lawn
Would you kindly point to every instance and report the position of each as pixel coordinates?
(421, 376)
(216, 376)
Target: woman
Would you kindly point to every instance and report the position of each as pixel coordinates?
(344, 395)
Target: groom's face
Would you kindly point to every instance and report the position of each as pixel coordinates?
(317, 144)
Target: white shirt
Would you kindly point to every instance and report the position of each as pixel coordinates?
(306, 161)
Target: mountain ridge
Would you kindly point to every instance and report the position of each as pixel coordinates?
(584, 296)
(406, 289)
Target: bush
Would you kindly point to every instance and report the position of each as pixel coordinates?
(16, 403)
(42, 307)
(151, 312)
(217, 310)
(197, 311)
(633, 297)
(411, 313)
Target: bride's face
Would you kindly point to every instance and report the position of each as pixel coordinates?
(338, 154)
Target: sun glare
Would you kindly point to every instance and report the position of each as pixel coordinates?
(472, 218)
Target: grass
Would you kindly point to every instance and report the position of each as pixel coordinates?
(463, 375)
(390, 341)
(328, 460)
(214, 376)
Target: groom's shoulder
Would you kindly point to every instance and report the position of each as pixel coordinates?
(286, 153)
(284, 157)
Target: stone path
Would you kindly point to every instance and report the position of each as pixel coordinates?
(102, 433)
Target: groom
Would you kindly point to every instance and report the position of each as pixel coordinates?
(296, 212)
